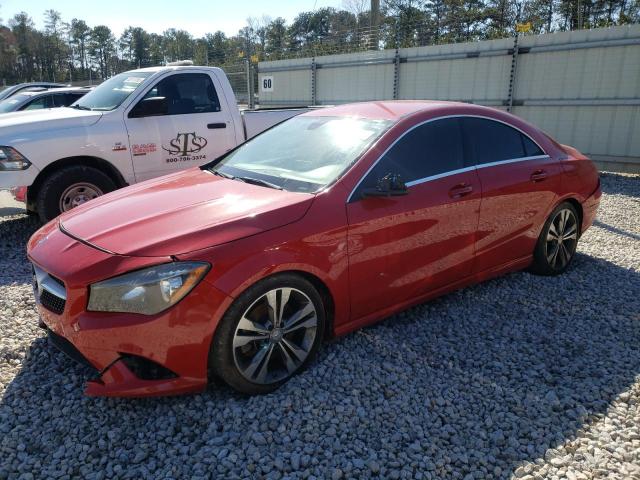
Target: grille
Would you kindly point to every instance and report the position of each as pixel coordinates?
(52, 302)
(49, 291)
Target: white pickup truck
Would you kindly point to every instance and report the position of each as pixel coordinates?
(135, 126)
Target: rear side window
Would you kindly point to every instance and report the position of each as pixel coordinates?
(490, 141)
(187, 93)
(530, 148)
(427, 150)
(65, 99)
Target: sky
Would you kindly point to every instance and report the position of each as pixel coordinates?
(197, 17)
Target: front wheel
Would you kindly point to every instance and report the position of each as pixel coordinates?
(271, 332)
(69, 187)
(558, 241)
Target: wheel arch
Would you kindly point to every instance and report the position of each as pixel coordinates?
(89, 161)
(321, 285)
(575, 203)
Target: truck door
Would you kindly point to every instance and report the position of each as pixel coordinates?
(191, 127)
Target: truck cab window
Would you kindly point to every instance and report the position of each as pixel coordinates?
(187, 93)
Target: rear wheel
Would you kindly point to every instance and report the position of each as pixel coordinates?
(69, 187)
(558, 241)
(270, 333)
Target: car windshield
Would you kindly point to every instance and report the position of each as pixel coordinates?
(110, 94)
(11, 104)
(303, 154)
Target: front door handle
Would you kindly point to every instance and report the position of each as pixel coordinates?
(460, 190)
(212, 126)
(538, 176)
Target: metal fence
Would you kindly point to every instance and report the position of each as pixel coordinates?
(582, 87)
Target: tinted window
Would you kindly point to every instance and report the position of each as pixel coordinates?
(38, 103)
(187, 93)
(530, 148)
(427, 150)
(491, 141)
(65, 99)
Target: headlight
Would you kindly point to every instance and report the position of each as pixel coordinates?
(11, 160)
(147, 291)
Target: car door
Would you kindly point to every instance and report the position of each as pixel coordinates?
(193, 130)
(401, 247)
(519, 184)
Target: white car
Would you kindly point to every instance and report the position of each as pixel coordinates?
(6, 92)
(133, 127)
(39, 98)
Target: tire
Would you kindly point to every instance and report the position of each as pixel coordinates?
(264, 357)
(552, 256)
(61, 183)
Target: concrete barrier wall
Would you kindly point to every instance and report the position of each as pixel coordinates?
(582, 87)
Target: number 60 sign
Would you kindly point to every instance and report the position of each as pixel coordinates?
(266, 84)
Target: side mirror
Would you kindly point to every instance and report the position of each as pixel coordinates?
(390, 185)
(150, 107)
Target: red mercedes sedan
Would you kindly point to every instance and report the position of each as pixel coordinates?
(323, 224)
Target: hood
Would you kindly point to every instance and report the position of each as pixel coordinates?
(180, 213)
(48, 119)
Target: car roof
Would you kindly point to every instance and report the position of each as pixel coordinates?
(393, 110)
(34, 93)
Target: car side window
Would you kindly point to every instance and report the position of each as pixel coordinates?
(530, 148)
(491, 141)
(63, 99)
(430, 149)
(39, 103)
(187, 93)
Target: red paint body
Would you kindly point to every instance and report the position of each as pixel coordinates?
(374, 256)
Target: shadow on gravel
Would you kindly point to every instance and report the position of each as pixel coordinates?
(14, 234)
(617, 184)
(476, 382)
(617, 231)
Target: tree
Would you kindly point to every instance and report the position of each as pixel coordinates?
(80, 35)
(178, 44)
(102, 45)
(55, 48)
(276, 37)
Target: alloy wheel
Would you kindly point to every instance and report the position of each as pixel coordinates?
(275, 336)
(562, 238)
(77, 194)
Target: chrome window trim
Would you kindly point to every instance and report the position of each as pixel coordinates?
(451, 172)
(513, 160)
(439, 175)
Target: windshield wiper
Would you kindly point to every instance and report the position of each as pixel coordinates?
(258, 181)
(223, 175)
(80, 107)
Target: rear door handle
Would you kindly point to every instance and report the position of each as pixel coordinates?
(538, 176)
(460, 190)
(212, 126)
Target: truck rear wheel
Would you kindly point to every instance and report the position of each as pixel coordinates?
(69, 187)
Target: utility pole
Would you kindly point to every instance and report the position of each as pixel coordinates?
(374, 23)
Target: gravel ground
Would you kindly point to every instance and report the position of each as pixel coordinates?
(522, 376)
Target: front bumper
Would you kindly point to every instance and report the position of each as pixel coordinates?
(177, 340)
(18, 178)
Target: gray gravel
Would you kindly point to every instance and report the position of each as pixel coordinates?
(522, 376)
